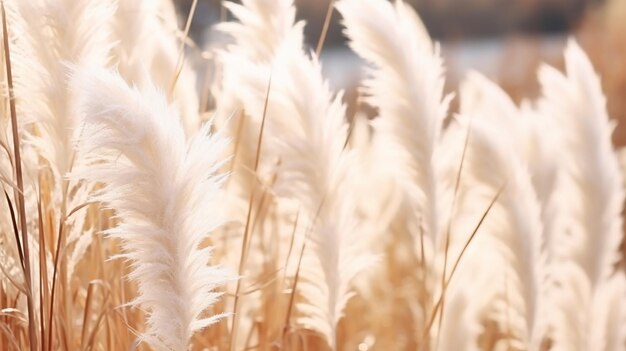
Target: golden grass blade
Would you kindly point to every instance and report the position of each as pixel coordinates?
(19, 195)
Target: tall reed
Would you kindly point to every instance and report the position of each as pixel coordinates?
(496, 227)
(165, 191)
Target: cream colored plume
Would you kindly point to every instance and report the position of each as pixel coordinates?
(148, 48)
(262, 27)
(308, 133)
(56, 34)
(585, 251)
(48, 37)
(165, 191)
(511, 285)
(589, 164)
(405, 83)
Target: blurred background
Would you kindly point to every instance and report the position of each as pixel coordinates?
(504, 39)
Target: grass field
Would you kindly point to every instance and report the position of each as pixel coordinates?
(151, 205)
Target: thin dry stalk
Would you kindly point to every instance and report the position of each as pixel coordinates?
(439, 303)
(181, 51)
(246, 233)
(324, 33)
(19, 193)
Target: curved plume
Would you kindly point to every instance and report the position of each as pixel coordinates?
(46, 43)
(244, 67)
(164, 190)
(263, 27)
(405, 83)
(309, 132)
(586, 249)
(590, 169)
(52, 41)
(507, 245)
(147, 35)
(530, 134)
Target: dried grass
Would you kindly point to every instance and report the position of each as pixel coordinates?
(497, 228)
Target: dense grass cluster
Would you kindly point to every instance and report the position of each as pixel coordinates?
(140, 212)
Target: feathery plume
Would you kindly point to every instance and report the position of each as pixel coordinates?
(530, 135)
(147, 32)
(262, 28)
(585, 250)
(314, 172)
(54, 41)
(590, 166)
(308, 133)
(49, 36)
(164, 190)
(404, 82)
(508, 243)
(407, 66)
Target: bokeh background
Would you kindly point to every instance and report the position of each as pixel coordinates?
(504, 39)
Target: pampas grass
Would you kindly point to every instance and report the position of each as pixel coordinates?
(508, 242)
(164, 190)
(125, 216)
(313, 170)
(588, 244)
(410, 124)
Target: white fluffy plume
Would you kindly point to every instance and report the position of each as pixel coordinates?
(309, 133)
(164, 190)
(306, 130)
(262, 27)
(56, 34)
(49, 36)
(405, 83)
(507, 243)
(147, 37)
(586, 249)
(501, 278)
(590, 167)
